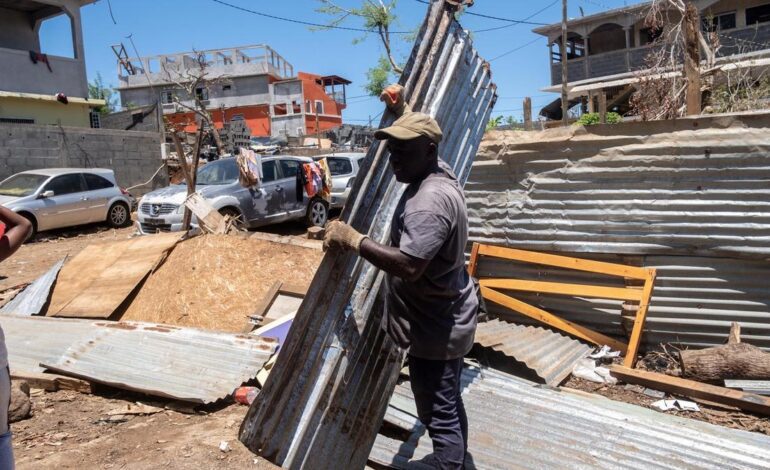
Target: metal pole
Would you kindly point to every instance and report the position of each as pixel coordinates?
(564, 77)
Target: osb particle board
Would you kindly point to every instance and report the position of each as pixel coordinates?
(215, 282)
(97, 281)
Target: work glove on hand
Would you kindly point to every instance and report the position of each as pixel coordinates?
(341, 236)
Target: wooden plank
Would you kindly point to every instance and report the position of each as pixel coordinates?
(52, 382)
(268, 299)
(583, 290)
(474, 261)
(602, 107)
(297, 290)
(208, 217)
(690, 388)
(600, 267)
(97, 281)
(551, 319)
(640, 320)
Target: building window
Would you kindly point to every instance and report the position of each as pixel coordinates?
(237, 117)
(96, 121)
(202, 93)
(289, 108)
(760, 14)
(300, 131)
(308, 108)
(649, 35)
(319, 107)
(137, 118)
(17, 121)
(719, 22)
(167, 96)
(227, 87)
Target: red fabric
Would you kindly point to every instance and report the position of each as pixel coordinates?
(2, 229)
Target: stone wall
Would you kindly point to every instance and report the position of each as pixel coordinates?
(134, 156)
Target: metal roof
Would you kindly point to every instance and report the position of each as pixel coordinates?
(163, 360)
(336, 371)
(517, 424)
(33, 298)
(548, 354)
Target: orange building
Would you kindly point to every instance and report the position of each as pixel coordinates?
(254, 84)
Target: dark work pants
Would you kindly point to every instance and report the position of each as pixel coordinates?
(436, 388)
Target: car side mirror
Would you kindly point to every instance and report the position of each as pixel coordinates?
(46, 194)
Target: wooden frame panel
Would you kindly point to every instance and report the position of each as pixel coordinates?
(643, 295)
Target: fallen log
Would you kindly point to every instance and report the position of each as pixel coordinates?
(735, 360)
(690, 388)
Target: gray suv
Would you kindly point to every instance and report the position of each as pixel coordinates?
(276, 200)
(64, 197)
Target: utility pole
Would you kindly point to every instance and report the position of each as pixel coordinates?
(692, 59)
(564, 75)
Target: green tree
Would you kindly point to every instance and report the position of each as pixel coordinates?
(99, 91)
(494, 123)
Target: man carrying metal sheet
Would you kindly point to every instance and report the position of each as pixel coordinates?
(431, 302)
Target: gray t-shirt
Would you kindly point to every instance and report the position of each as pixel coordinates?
(433, 317)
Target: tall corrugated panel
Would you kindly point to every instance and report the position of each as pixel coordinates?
(689, 197)
(325, 398)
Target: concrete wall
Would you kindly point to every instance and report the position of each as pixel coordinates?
(16, 31)
(143, 119)
(46, 112)
(134, 156)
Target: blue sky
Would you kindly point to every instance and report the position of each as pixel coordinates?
(166, 26)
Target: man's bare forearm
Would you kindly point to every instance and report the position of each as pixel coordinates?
(18, 230)
(392, 260)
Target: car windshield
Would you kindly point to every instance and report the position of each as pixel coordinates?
(23, 184)
(218, 172)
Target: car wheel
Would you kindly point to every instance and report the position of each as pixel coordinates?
(118, 215)
(32, 220)
(235, 216)
(317, 213)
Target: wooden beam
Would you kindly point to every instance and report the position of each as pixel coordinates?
(690, 388)
(641, 319)
(528, 113)
(551, 319)
(52, 382)
(268, 299)
(603, 107)
(473, 263)
(692, 59)
(600, 267)
(583, 290)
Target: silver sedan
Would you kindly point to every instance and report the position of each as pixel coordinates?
(64, 197)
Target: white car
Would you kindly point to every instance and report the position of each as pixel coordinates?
(344, 168)
(64, 197)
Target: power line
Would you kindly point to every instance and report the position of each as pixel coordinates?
(524, 21)
(306, 23)
(517, 48)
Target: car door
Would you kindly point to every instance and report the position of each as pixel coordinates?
(98, 193)
(67, 206)
(268, 199)
(289, 169)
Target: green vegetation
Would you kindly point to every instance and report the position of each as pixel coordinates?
(591, 119)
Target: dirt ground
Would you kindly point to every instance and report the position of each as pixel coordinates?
(73, 430)
(666, 364)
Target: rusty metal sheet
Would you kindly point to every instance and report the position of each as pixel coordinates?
(181, 363)
(514, 423)
(548, 354)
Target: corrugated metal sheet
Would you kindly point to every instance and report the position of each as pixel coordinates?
(181, 363)
(516, 424)
(31, 300)
(688, 197)
(549, 355)
(334, 376)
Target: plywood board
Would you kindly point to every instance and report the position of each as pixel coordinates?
(97, 281)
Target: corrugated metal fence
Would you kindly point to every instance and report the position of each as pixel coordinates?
(688, 197)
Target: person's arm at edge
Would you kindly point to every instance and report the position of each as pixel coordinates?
(18, 229)
(392, 260)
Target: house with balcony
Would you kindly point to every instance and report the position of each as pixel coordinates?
(607, 51)
(37, 67)
(251, 83)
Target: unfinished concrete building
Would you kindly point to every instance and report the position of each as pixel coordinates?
(38, 66)
(606, 51)
(252, 83)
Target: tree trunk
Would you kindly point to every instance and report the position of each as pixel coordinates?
(735, 360)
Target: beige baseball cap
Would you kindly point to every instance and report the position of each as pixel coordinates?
(410, 126)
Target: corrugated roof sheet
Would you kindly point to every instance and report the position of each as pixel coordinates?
(31, 300)
(517, 424)
(181, 363)
(688, 197)
(548, 354)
